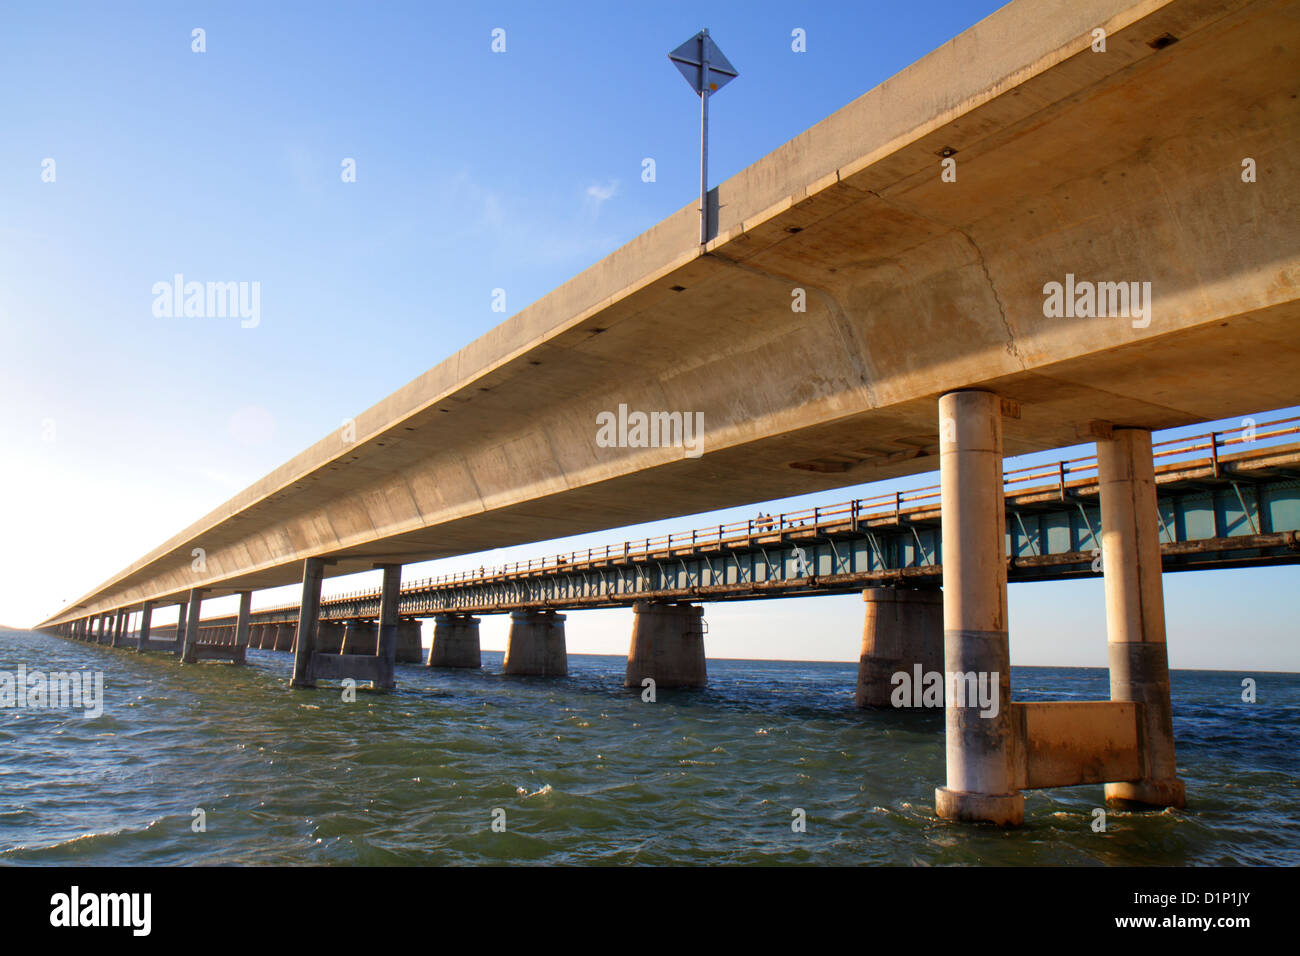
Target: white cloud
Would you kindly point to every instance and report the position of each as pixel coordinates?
(599, 193)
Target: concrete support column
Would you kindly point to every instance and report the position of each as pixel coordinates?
(980, 749)
(1135, 612)
(389, 635)
(105, 621)
(180, 630)
(667, 646)
(329, 637)
(455, 641)
(257, 636)
(286, 638)
(313, 573)
(902, 633)
(146, 625)
(193, 619)
(119, 622)
(536, 645)
(242, 622)
(361, 637)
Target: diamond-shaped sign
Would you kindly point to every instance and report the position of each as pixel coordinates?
(701, 49)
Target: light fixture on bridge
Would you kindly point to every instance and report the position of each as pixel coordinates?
(707, 70)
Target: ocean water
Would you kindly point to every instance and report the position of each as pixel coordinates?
(582, 771)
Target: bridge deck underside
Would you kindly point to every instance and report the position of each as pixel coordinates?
(1242, 511)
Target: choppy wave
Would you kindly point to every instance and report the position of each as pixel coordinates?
(215, 764)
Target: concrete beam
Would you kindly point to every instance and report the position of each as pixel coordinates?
(1067, 743)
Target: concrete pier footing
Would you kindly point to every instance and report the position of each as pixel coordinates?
(455, 641)
(980, 747)
(329, 637)
(1135, 613)
(286, 635)
(667, 646)
(902, 633)
(361, 637)
(410, 647)
(536, 645)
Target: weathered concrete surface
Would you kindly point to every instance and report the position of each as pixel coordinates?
(1067, 743)
(455, 642)
(329, 637)
(1135, 614)
(361, 637)
(1116, 166)
(667, 646)
(536, 646)
(902, 630)
(410, 649)
(979, 742)
(286, 636)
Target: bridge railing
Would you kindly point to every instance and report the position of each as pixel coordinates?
(1204, 450)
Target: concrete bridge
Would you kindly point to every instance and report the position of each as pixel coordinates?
(1075, 220)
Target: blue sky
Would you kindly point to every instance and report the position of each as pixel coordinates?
(475, 171)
